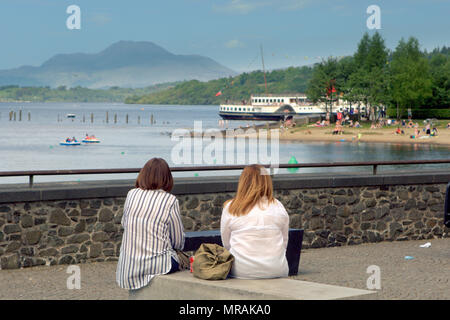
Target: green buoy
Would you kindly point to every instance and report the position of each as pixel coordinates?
(292, 160)
(195, 174)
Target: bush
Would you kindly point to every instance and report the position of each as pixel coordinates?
(420, 113)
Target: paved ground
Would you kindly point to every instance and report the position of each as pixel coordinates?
(425, 277)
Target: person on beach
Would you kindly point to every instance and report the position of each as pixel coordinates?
(434, 132)
(152, 228)
(255, 227)
(428, 131)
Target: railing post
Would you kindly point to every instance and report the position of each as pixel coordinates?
(375, 169)
(31, 180)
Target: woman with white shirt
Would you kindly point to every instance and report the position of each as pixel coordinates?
(255, 228)
(152, 228)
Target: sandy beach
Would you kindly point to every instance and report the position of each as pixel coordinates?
(380, 135)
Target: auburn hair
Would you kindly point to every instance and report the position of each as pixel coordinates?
(155, 175)
(254, 185)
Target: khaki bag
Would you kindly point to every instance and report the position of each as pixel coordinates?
(212, 262)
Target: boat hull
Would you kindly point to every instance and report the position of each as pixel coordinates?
(70, 144)
(261, 116)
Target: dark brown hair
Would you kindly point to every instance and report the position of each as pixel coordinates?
(155, 175)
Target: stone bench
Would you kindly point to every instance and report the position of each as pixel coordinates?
(184, 286)
(194, 239)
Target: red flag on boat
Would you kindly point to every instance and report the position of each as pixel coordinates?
(218, 93)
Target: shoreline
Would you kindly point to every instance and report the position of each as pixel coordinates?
(382, 135)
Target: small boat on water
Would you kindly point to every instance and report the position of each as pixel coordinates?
(91, 140)
(71, 143)
(70, 115)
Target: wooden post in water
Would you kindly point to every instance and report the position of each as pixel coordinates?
(14, 116)
(139, 119)
(115, 117)
(20, 115)
(29, 116)
(92, 118)
(151, 118)
(126, 118)
(107, 117)
(84, 118)
(10, 115)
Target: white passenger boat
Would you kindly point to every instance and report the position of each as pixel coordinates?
(271, 107)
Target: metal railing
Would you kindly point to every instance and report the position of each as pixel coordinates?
(373, 164)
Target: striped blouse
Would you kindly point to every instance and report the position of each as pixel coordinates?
(152, 230)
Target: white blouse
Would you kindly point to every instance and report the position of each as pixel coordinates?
(257, 241)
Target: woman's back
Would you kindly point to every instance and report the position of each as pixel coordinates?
(152, 228)
(257, 240)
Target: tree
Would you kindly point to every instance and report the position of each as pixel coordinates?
(323, 82)
(368, 81)
(440, 73)
(410, 75)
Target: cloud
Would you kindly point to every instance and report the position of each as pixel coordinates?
(234, 44)
(100, 18)
(238, 6)
(294, 4)
(247, 6)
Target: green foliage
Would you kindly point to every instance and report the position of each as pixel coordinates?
(290, 80)
(326, 76)
(76, 94)
(410, 75)
(375, 77)
(421, 113)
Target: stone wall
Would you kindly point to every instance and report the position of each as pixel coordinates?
(48, 232)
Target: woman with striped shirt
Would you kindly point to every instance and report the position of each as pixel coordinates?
(152, 228)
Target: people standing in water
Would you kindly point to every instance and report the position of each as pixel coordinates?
(152, 228)
(255, 227)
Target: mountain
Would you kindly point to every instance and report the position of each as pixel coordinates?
(130, 64)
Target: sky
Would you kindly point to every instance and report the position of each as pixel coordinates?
(291, 32)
